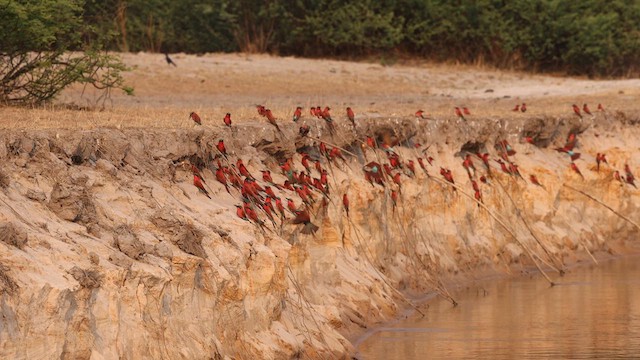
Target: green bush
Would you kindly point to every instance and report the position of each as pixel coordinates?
(42, 51)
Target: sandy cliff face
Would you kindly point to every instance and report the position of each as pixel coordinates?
(108, 250)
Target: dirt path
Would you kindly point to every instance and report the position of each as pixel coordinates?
(218, 83)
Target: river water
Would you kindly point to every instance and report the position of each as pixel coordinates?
(593, 312)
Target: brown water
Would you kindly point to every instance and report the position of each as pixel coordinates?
(594, 312)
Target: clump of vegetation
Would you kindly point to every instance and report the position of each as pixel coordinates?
(591, 37)
(42, 51)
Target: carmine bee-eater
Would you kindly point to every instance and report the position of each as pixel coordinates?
(424, 168)
(420, 114)
(466, 111)
(412, 168)
(629, 176)
(266, 176)
(478, 196)
(534, 181)
(222, 178)
(600, 158)
(240, 212)
(446, 173)
(297, 114)
(523, 108)
(243, 169)
(198, 183)
(459, 113)
(193, 116)
(574, 167)
(336, 153)
(227, 119)
(304, 130)
(262, 111)
(221, 148)
(576, 110)
(600, 107)
(516, 108)
(196, 171)
(291, 206)
(345, 203)
(616, 175)
(475, 186)
(280, 208)
(269, 191)
(351, 116)
(327, 118)
(394, 199)
(312, 111)
(586, 110)
(272, 119)
(303, 217)
(371, 142)
(503, 166)
(468, 165)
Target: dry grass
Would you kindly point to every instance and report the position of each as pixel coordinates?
(215, 84)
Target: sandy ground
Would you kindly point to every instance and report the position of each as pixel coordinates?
(215, 84)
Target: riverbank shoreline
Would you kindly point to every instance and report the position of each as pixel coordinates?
(625, 250)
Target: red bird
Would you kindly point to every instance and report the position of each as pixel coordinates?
(240, 212)
(304, 130)
(297, 114)
(629, 178)
(303, 217)
(193, 116)
(420, 114)
(600, 158)
(371, 142)
(446, 173)
(198, 183)
(221, 148)
(528, 139)
(345, 203)
(280, 208)
(269, 191)
(196, 171)
(222, 178)
(503, 166)
(227, 120)
(516, 108)
(397, 181)
(327, 118)
(576, 110)
(478, 196)
(394, 199)
(243, 169)
(266, 176)
(312, 111)
(475, 186)
(534, 180)
(574, 167)
(459, 114)
(600, 107)
(424, 168)
(351, 116)
(468, 165)
(262, 111)
(466, 111)
(616, 175)
(412, 168)
(523, 108)
(336, 153)
(585, 108)
(272, 119)
(291, 206)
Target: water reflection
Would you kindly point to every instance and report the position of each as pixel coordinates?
(593, 313)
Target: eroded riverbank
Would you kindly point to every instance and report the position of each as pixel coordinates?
(121, 250)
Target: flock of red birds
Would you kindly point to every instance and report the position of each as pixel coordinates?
(261, 203)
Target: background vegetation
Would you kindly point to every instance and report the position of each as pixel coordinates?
(592, 37)
(586, 37)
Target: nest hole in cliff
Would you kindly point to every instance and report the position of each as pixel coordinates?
(12, 235)
(5, 181)
(181, 233)
(89, 279)
(7, 284)
(473, 147)
(275, 149)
